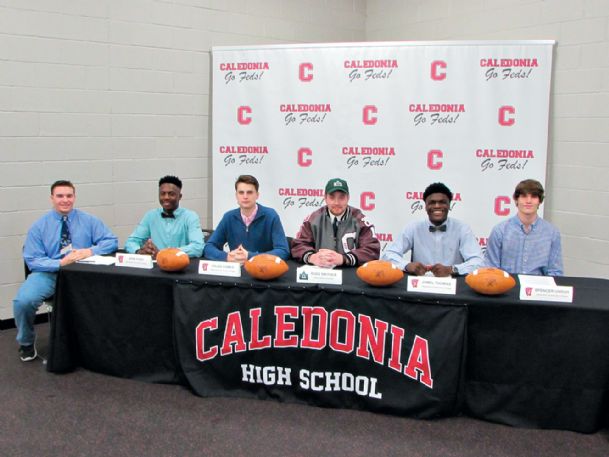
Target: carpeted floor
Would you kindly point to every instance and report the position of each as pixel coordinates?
(87, 414)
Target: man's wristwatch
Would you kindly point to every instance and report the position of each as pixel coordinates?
(454, 271)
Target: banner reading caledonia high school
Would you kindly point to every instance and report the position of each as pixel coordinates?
(322, 348)
(390, 118)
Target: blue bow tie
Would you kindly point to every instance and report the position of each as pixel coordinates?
(436, 228)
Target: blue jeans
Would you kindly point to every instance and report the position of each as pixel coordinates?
(36, 287)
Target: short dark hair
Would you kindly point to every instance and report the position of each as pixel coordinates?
(438, 188)
(170, 180)
(62, 183)
(529, 187)
(247, 179)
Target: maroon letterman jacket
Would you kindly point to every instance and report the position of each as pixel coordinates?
(355, 238)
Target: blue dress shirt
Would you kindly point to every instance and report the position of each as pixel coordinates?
(457, 246)
(182, 232)
(535, 253)
(43, 243)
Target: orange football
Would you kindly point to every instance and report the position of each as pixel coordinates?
(490, 281)
(266, 266)
(379, 273)
(172, 259)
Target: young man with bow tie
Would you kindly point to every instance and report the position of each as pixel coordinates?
(439, 244)
(168, 226)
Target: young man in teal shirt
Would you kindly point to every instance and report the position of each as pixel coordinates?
(169, 226)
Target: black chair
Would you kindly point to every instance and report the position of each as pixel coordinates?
(47, 303)
(206, 234)
(289, 239)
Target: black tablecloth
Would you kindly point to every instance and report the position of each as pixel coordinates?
(539, 364)
(535, 364)
(333, 348)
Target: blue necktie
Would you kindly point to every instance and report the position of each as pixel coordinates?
(65, 233)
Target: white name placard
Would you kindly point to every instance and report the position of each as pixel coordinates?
(311, 274)
(547, 293)
(217, 268)
(432, 285)
(133, 260)
(98, 260)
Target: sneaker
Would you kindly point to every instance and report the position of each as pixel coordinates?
(27, 353)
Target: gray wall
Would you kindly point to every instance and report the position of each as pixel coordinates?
(112, 94)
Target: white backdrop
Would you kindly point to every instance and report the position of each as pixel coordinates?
(390, 118)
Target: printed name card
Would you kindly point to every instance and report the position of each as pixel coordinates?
(218, 268)
(98, 260)
(310, 274)
(544, 288)
(557, 293)
(432, 285)
(134, 261)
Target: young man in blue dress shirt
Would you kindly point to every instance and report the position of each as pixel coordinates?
(62, 236)
(249, 230)
(526, 243)
(439, 244)
(168, 226)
